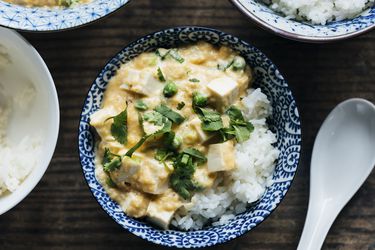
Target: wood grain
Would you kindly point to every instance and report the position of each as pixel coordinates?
(62, 214)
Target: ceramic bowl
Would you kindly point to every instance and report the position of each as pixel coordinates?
(43, 116)
(285, 122)
(54, 19)
(268, 19)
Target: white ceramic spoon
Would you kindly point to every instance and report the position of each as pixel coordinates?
(342, 159)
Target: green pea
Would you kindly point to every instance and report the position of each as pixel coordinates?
(170, 89)
(238, 63)
(199, 100)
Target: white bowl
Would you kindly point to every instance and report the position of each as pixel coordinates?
(44, 115)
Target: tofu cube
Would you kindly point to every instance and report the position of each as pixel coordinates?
(143, 83)
(135, 204)
(224, 90)
(196, 124)
(147, 175)
(221, 157)
(161, 210)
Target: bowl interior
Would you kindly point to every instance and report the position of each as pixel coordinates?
(52, 19)
(285, 122)
(304, 31)
(43, 116)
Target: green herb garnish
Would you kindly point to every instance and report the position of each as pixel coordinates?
(211, 119)
(110, 182)
(239, 127)
(111, 161)
(194, 80)
(195, 153)
(224, 67)
(153, 117)
(166, 129)
(181, 179)
(140, 105)
(175, 55)
(180, 105)
(170, 89)
(170, 114)
(162, 53)
(160, 75)
(119, 128)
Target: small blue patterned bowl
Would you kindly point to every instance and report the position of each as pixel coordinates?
(284, 121)
(303, 31)
(53, 19)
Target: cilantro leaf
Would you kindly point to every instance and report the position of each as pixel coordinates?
(140, 105)
(111, 161)
(195, 153)
(166, 128)
(119, 128)
(170, 114)
(181, 180)
(153, 117)
(239, 128)
(211, 119)
(234, 113)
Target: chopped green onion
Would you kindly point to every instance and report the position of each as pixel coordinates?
(160, 75)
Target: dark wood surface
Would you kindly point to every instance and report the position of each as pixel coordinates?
(60, 213)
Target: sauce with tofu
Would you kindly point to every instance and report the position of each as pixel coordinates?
(47, 3)
(168, 126)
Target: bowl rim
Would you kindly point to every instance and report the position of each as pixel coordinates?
(55, 127)
(63, 29)
(81, 157)
(292, 36)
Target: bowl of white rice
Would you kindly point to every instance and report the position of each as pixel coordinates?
(266, 163)
(29, 118)
(315, 21)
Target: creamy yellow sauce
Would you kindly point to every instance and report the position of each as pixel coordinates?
(142, 182)
(46, 3)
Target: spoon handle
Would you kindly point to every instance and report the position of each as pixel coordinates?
(320, 217)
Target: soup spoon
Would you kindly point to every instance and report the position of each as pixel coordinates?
(342, 159)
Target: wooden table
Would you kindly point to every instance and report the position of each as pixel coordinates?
(61, 213)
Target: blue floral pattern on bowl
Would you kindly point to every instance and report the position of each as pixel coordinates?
(304, 31)
(285, 121)
(51, 19)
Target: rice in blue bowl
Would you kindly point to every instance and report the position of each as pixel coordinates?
(284, 123)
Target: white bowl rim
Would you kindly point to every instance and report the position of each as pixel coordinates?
(309, 39)
(50, 142)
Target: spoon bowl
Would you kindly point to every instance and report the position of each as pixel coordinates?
(342, 159)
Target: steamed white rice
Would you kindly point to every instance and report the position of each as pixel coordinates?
(234, 191)
(16, 160)
(320, 11)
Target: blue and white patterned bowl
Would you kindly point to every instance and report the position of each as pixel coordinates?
(53, 19)
(284, 121)
(268, 19)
